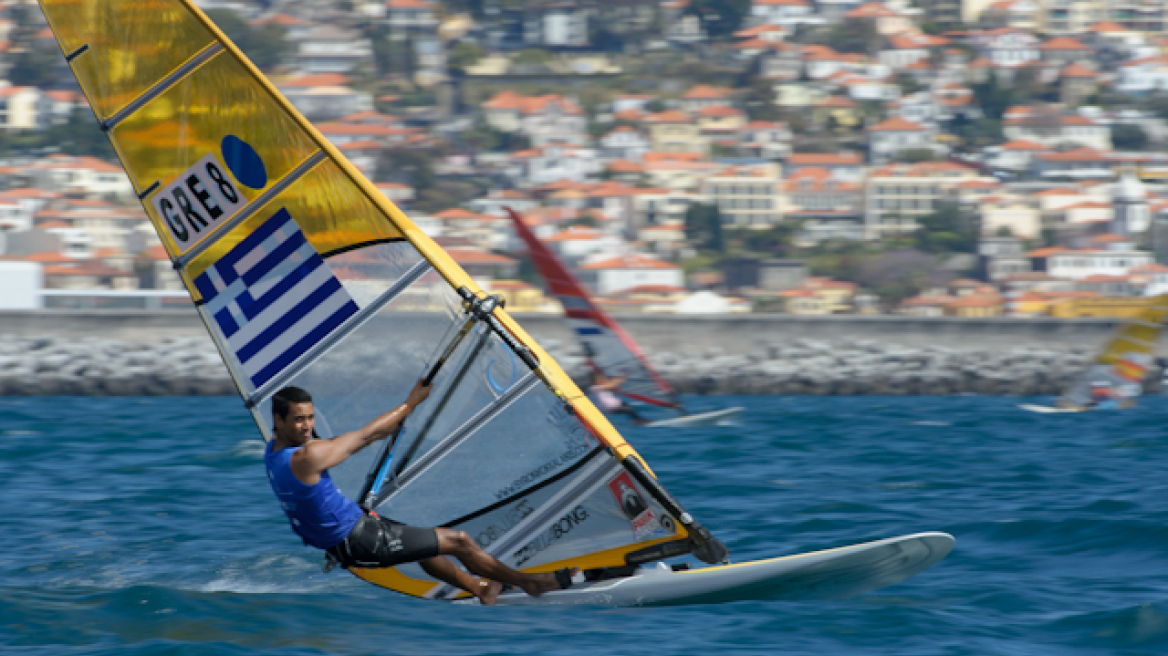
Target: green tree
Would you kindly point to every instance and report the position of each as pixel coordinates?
(465, 54)
(947, 229)
(80, 135)
(35, 67)
(995, 98)
(977, 133)
(532, 56)
(852, 35)
(720, 17)
(1126, 136)
(915, 155)
(897, 275)
(703, 227)
(264, 45)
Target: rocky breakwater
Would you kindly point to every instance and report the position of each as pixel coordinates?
(808, 366)
(99, 367)
(192, 366)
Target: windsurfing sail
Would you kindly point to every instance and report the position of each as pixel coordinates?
(1118, 372)
(305, 275)
(608, 347)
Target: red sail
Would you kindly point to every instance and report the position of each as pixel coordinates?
(609, 347)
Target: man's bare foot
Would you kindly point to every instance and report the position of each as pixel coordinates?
(488, 592)
(543, 582)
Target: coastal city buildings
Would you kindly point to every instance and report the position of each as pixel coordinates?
(927, 157)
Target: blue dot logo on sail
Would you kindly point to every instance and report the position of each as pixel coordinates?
(273, 297)
(244, 162)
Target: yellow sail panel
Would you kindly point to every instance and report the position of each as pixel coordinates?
(1116, 375)
(129, 45)
(1138, 336)
(332, 213)
(191, 118)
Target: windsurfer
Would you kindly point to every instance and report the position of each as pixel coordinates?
(604, 389)
(1103, 397)
(298, 463)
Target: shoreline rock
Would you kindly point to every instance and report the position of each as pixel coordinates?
(50, 366)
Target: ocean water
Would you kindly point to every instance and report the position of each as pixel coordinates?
(146, 526)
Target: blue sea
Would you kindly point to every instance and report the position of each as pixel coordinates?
(146, 526)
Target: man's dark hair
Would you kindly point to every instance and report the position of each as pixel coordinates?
(282, 401)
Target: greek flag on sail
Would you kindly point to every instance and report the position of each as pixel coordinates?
(273, 297)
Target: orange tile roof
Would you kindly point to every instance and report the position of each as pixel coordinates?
(475, 256)
(1046, 252)
(577, 233)
(837, 101)
(707, 92)
(457, 213)
(669, 116)
(629, 261)
(977, 300)
(624, 166)
(1022, 144)
(318, 80)
(1063, 43)
(897, 124)
(1075, 70)
(824, 159)
(759, 29)
(1107, 26)
(719, 111)
(1076, 155)
(871, 10)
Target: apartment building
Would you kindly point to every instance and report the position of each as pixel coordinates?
(746, 196)
(898, 194)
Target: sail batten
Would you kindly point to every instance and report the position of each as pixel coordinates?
(418, 467)
(364, 314)
(163, 85)
(247, 211)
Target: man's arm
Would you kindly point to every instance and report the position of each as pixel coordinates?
(612, 383)
(318, 455)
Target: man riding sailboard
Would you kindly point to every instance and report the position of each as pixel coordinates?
(298, 463)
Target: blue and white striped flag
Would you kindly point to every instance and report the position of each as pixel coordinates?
(273, 297)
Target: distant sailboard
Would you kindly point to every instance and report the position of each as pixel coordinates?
(608, 347)
(1114, 379)
(305, 274)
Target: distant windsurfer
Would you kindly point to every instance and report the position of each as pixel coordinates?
(298, 463)
(1102, 397)
(604, 389)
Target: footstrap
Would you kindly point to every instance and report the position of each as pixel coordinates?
(564, 578)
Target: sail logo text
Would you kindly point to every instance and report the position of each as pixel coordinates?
(557, 530)
(575, 450)
(197, 200)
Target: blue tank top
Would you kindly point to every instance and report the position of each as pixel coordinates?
(320, 514)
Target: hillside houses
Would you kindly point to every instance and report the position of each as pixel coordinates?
(956, 131)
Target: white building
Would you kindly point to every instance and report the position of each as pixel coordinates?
(624, 142)
(630, 270)
(325, 97)
(331, 49)
(1116, 260)
(788, 13)
(25, 108)
(896, 135)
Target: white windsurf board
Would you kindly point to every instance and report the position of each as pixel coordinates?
(704, 419)
(1046, 409)
(821, 575)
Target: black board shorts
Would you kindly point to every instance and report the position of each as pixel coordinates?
(378, 541)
